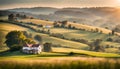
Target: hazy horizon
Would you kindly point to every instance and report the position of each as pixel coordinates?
(5, 4)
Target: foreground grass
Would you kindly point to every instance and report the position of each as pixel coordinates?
(60, 59)
(61, 63)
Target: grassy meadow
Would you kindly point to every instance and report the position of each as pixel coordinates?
(74, 55)
(61, 63)
(59, 59)
(67, 33)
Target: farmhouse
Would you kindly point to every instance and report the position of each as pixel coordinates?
(47, 26)
(32, 48)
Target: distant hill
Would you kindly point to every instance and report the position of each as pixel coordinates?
(5, 12)
(100, 16)
(36, 10)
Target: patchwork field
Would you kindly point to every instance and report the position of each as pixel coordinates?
(77, 25)
(76, 56)
(67, 33)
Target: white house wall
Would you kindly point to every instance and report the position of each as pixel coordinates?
(38, 49)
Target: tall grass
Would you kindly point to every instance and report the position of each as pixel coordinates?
(62, 63)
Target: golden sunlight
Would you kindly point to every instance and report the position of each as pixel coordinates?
(118, 1)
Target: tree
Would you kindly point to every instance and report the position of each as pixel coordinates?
(69, 26)
(48, 31)
(74, 21)
(15, 47)
(16, 38)
(106, 28)
(17, 15)
(63, 23)
(113, 32)
(95, 46)
(11, 17)
(110, 39)
(117, 28)
(28, 35)
(24, 16)
(47, 47)
(96, 30)
(38, 38)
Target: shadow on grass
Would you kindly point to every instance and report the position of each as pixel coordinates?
(43, 54)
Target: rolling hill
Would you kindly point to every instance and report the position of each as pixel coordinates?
(69, 34)
(79, 34)
(99, 16)
(36, 10)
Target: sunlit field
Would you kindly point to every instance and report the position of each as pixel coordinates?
(59, 59)
(60, 63)
(59, 34)
(74, 55)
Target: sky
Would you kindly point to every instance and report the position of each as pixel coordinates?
(8, 4)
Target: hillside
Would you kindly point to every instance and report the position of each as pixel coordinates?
(98, 17)
(36, 10)
(6, 27)
(70, 34)
(46, 38)
(79, 34)
(77, 25)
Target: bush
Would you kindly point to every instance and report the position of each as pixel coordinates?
(15, 47)
(57, 35)
(110, 39)
(47, 47)
(80, 40)
(38, 38)
(71, 53)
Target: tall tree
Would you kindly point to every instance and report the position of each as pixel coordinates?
(63, 23)
(69, 26)
(11, 17)
(95, 46)
(16, 38)
(113, 32)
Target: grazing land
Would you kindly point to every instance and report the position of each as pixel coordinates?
(68, 55)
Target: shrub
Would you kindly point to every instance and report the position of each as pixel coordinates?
(71, 53)
(15, 47)
(110, 39)
(47, 47)
(38, 38)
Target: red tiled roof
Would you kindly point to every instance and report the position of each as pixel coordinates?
(31, 45)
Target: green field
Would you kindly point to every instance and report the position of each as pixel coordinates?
(79, 34)
(60, 57)
(59, 63)
(67, 33)
(59, 51)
